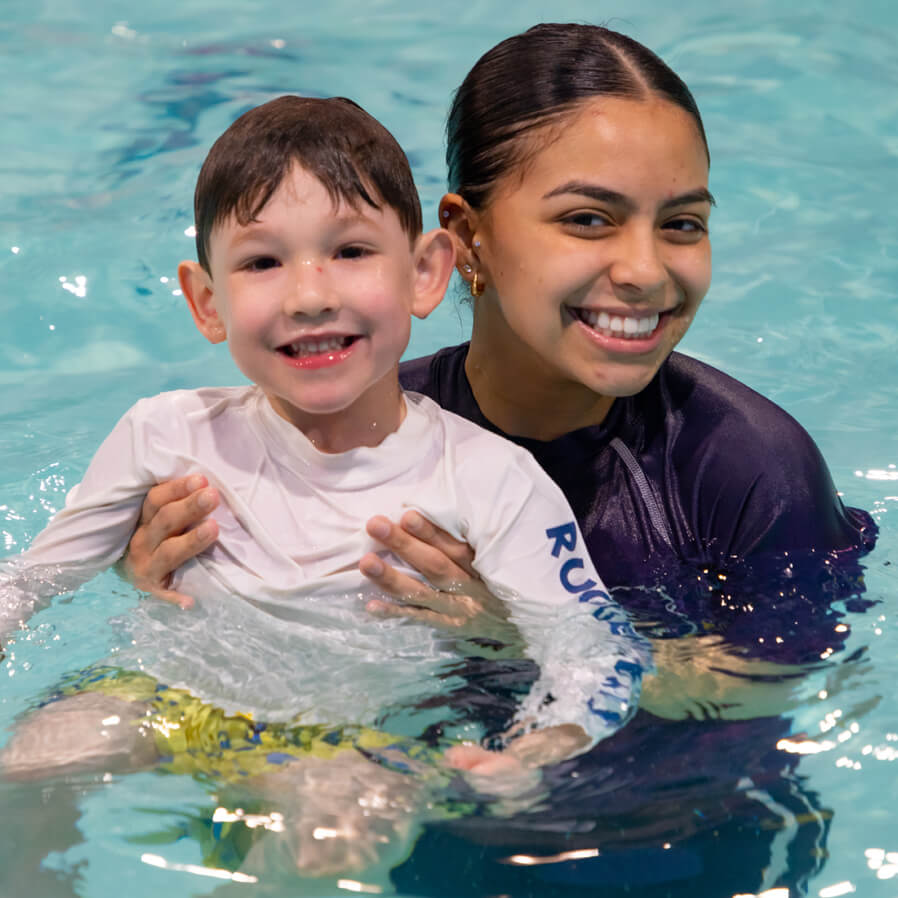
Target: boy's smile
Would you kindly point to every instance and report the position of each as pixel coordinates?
(318, 353)
(314, 299)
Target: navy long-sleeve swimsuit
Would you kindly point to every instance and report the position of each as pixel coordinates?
(695, 476)
(706, 509)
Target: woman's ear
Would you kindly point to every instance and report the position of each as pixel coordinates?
(196, 285)
(434, 259)
(461, 221)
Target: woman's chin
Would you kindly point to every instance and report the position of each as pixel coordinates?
(621, 380)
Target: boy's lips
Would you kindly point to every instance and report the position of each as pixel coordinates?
(306, 346)
(318, 351)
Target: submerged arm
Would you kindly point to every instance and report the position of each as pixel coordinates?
(88, 535)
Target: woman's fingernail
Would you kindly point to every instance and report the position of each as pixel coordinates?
(206, 500)
(379, 529)
(413, 522)
(373, 567)
(195, 483)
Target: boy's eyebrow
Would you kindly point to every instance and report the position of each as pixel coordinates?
(605, 195)
(254, 229)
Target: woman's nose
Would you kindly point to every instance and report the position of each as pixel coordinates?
(312, 293)
(638, 266)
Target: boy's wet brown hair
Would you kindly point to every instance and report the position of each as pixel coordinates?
(346, 149)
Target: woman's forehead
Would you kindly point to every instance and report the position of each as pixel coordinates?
(611, 138)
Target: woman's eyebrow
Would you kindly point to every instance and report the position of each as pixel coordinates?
(701, 195)
(593, 191)
(605, 195)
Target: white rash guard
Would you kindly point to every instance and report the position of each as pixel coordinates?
(292, 530)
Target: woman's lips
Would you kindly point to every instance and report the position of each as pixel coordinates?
(625, 334)
(627, 327)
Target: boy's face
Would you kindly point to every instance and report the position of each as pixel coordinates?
(314, 301)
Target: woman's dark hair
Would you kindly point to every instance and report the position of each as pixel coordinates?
(535, 77)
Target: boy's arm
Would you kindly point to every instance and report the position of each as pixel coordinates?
(89, 534)
(529, 551)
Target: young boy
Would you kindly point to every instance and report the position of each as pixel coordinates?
(311, 261)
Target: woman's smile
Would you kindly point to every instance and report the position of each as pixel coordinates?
(595, 253)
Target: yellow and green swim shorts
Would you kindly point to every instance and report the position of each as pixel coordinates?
(194, 737)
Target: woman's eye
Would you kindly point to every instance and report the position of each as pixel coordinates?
(686, 226)
(351, 252)
(587, 220)
(262, 263)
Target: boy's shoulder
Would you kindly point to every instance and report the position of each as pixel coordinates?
(482, 465)
(202, 400)
(461, 433)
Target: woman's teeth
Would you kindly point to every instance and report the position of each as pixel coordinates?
(619, 325)
(314, 347)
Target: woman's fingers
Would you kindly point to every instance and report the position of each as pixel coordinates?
(453, 598)
(409, 593)
(479, 616)
(174, 507)
(172, 530)
(150, 571)
(459, 553)
(382, 609)
(172, 597)
(157, 566)
(445, 565)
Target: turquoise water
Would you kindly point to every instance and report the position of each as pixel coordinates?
(109, 108)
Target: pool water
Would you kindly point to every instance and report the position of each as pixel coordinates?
(109, 108)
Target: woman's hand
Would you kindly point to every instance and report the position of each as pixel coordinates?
(454, 597)
(172, 529)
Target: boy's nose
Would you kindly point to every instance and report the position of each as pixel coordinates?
(312, 292)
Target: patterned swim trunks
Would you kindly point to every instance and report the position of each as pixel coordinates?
(194, 737)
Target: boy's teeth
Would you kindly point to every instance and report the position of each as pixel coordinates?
(314, 347)
(619, 325)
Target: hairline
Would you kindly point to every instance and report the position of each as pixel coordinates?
(258, 197)
(541, 131)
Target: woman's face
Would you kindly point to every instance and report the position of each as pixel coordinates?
(595, 251)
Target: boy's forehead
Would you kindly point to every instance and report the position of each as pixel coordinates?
(303, 190)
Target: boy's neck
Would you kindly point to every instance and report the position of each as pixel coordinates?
(367, 422)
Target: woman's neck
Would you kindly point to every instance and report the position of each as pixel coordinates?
(522, 395)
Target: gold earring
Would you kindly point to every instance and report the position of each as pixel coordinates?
(476, 287)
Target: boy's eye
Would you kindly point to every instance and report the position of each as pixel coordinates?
(351, 252)
(262, 263)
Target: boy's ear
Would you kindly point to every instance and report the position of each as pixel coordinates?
(196, 285)
(434, 261)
